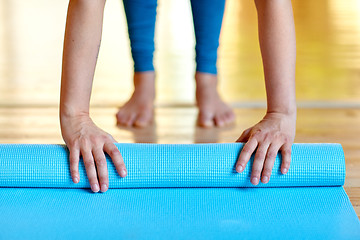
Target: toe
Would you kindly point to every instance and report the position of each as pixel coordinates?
(219, 120)
(120, 117)
(205, 120)
(130, 120)
(144, 119)
(229, 117)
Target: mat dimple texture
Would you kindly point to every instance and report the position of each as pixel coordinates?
(171, 165)
(178, 213)
(39, 201)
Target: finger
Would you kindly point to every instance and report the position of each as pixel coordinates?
(116, 157)
(259, 162)
(269, 162)
(102, 169)
(74, 164)
(245, 154)
(244, 136)
(286, 158)
(112, 139)
(90, 169)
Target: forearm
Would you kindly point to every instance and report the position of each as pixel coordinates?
(278, 50)
(81, 46)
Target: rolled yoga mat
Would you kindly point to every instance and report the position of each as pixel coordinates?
(175, 191)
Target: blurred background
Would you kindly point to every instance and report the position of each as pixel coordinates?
(328, 62)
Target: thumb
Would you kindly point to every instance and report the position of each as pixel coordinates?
(244, 136)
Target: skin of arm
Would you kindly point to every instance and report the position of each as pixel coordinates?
(81, 135)
(276, 131)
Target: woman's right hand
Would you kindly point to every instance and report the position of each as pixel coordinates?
(84, 138)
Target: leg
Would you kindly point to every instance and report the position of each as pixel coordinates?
(207, 24)
(141, 16)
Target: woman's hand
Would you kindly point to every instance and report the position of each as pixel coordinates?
(276, 131)
(84, 138)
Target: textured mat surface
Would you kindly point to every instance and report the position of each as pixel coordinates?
(170, 165)
(38, 200)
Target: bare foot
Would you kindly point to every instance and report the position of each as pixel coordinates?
(138, 111)
(212, 110)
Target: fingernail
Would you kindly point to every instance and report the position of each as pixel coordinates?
(239, 169)
(255, 180)
(265, 179)
(285, 170)
(104, 187)
(95, 188)
(123, 173)
(76, 180)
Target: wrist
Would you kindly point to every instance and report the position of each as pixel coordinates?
(72, 121)
(71, 111)
(67, 115)
(289, 109)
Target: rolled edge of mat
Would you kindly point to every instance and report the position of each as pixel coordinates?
(171, 165)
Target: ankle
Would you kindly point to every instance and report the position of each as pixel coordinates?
(144, 79)
(205, 80)
(144, 84)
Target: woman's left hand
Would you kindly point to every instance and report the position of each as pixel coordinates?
(274, 133)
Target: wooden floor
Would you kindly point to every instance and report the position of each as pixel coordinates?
(177, 125)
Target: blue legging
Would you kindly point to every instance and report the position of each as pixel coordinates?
(207, 16)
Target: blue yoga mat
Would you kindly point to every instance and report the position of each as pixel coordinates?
(175, 192)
